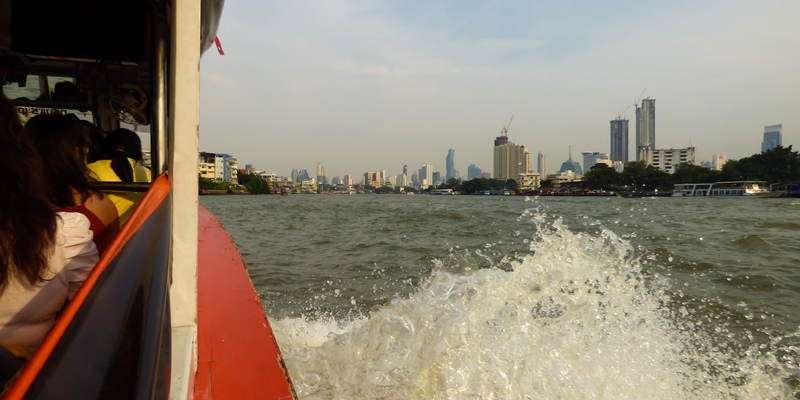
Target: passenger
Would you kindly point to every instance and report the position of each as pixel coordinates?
(63, 144)
(122, 149)
(45, 256)
(96, 139)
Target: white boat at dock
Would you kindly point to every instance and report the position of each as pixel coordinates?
(723, 189)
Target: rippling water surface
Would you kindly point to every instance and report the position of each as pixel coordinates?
(485, 297)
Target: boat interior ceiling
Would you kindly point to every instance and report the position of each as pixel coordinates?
(113, 54)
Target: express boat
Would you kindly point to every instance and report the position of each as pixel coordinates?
(169, 311)
(722, 189)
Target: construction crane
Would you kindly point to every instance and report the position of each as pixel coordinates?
(504, 132)
(636, 103)
(621, 114)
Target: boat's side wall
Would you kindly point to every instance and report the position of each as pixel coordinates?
(184, 118)
(184, 108)
(238, 357)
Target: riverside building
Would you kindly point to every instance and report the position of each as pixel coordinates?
(510, 159)
(668, 159)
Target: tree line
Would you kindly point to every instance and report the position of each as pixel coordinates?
(780, 164)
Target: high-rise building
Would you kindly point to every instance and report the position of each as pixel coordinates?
(510, 159)
(450, 163)
(473, 172)
(383, 176)
(372, 179)
(402, 180)
(347, 180)
(405, 170)
(668, 159)
(321, 175)
(592, 158)
(645, 129)
(437, 178)
(717, 161)
(425, 177)
(542, 165)
(772, 137)
(619, 140)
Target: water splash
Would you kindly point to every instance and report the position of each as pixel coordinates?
(577, 318)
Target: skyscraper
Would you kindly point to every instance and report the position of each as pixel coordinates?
(473, 171)
(542, 165)
(510, 160)
(405, 170)
(321, 174)
(645, 129)
(772, 137)
(592, 158)
(619, 140)
(450, 165)
(425, 176)
(717, 161)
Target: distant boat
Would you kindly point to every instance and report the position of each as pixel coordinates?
(443, 191)
(352, 192)
(724, 189)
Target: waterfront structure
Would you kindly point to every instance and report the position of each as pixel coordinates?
(529, 181)
(372, 179)
(668, 159)
(618, 166)
(570, 165)
(218, 166)
(510, 159)
(592, 158)
(565, 176)
(717, 161)
(542, 164)
(450, 163)
(425, 177)
(619, 140)
(206, 165)
(473, 171)
(645, 129)
(772, 137)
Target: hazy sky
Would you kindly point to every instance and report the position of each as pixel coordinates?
(368, 85)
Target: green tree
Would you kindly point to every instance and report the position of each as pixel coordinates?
(690, 173)
(254, 183)
(639, 176)
(601, 176)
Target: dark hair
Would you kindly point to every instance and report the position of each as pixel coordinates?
(61, 141)
(27, 220)
(96, 139)
(120, 145)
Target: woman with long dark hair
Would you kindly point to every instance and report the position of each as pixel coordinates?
(63, 143)
(45, 256)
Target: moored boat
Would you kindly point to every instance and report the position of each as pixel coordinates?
(723, 189)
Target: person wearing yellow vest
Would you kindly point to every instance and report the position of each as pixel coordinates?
(121, 150)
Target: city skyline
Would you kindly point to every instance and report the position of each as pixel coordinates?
(363, 87)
